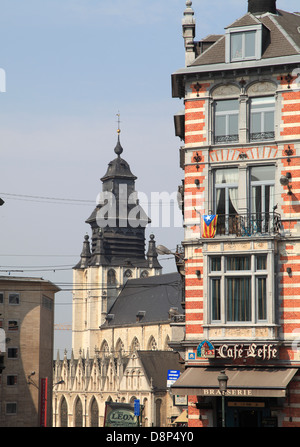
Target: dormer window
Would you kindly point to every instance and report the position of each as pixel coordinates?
(243, 44)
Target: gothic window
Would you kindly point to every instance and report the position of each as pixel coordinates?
(78, 413)
(94, 413)
(128, 274)
(158, 404)
(167, 347)
(104, 350)
(135, 345)
(64, 413)
(119, 348)
(152, 345)
(111, 277)
(144, 274)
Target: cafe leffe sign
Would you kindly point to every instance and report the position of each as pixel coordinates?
(237, 351)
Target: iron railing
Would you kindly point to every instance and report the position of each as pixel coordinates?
(248, 224)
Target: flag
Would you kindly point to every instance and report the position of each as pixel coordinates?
(209, 225)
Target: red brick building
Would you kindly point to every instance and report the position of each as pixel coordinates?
(240, 132)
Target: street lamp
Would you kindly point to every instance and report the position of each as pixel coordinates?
(223, 379)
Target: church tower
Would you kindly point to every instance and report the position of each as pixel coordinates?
(115, 253)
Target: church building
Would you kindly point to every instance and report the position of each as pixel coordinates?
(123, 311)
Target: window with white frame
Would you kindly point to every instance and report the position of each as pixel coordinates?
(262, 118)
(238, 288)
(226, 120)
(243, 43)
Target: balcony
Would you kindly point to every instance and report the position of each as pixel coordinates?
(256, 224)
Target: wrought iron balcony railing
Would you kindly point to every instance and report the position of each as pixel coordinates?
(248, 224)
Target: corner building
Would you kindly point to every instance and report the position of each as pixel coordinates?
(240, 130)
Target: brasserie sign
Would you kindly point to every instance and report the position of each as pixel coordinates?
(237, 351)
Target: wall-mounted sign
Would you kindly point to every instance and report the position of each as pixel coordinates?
(205, 350)
(262, 352)
(119, 415)
(173, 375)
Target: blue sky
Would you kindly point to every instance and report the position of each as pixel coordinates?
(71, 66)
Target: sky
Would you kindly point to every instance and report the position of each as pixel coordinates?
(71, 66)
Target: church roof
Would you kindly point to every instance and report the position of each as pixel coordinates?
(147, 300)
(156, 365)
(118, 168)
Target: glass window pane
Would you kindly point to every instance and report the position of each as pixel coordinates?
(227, 105)
(250, 44)
(216, 264)
(216, 299)
(263, 102)
(255, 123)
(256, 199)
(261, 298)
(261, 262)
(238, 263)
(236, 45)
(269, 121)
(220, 126)
(262, 173)
(220, 201)
(238, 293)
(226, 176)
(233, 124)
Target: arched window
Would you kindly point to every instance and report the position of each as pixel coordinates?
(104, 350)
(135, 345)
(63, 413)
(94, 413)
(78, 413)
(158, 404)
(111, 277)
(119, 348)
(152, 345)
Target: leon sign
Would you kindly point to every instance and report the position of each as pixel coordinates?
(119, 415)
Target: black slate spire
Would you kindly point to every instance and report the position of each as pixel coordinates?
(122, 220)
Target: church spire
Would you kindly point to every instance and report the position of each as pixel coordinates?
(118, 148)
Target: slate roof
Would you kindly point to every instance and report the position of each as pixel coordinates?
(153, 297)
(156, 365)
(284, 37)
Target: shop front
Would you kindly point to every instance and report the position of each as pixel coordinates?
(255, 394)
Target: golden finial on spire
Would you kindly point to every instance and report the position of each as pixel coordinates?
(118, 130)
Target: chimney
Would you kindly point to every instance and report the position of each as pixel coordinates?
(262, 6)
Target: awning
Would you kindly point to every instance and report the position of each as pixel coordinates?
(242, 382)
(182, 418)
